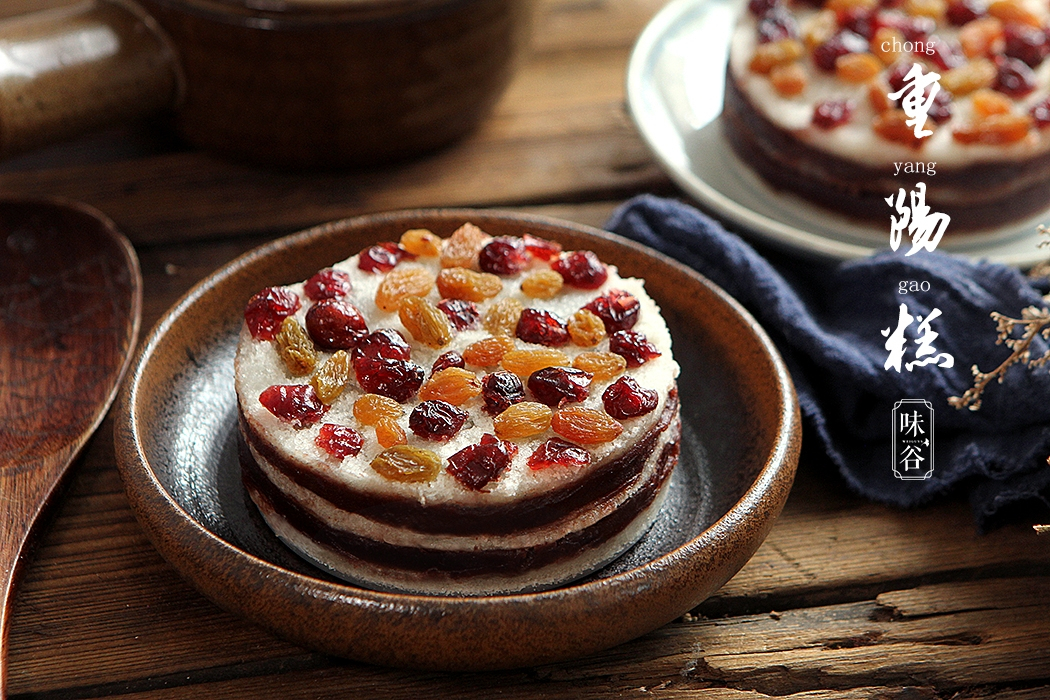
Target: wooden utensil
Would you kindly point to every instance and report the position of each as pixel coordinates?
(298, 83)
(70, 303)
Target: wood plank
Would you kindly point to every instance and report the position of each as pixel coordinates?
(853, 645)
(191, 195)
(831, 546)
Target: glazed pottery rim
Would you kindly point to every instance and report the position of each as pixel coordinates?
(281, 14)
(778, 469)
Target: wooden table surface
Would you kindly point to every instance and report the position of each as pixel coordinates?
(845, 599)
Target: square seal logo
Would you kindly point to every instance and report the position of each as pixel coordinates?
(913, 439)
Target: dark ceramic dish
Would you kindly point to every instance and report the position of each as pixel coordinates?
(177, 447)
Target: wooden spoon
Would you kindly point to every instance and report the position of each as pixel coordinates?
(70, 304)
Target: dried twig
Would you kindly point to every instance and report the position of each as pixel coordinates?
(1041, 270)
(1035, 321)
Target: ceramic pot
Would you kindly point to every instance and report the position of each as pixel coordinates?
(302, 83)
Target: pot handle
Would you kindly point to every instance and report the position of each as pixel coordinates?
(78, 68)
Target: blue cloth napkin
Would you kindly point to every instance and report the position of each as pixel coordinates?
(827, 321)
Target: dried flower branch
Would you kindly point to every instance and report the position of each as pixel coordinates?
(1035, 322)
(1041, 270)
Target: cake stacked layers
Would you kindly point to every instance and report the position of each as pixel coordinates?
(807, 103)
(461, 416)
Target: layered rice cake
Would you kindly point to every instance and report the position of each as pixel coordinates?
(807, 104)
(471, 415)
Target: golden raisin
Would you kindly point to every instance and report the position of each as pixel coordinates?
(857, 68)
(789, 80)
(421, 242)
(389, 433)
(847, 5)
(995, 129)
(371, 408)
(775, 53)
(502, 317)
(425, 322)
(891, 125)
(977, 74)
(585, 426)
(934, 9)
(542, 284)
(454, 385)
(525, 362)
(332, 377)
(1013, 11)
(461, 283)
(522, 420)
(403, 281)
(603, 365)
(586, 329)
(819, 28)
(878, 95)
(488, 352)
(462, 248)
(295, 348)
(883, 42)
(982, 37)
(988, 102)
(407, 464)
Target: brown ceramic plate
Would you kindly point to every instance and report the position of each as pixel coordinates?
(177, 444)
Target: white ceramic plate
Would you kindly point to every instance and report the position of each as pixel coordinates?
(675, 82)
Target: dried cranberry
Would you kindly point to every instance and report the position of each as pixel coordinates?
(761, 7)
(449, 359)
(859, 21)
(898, 76)
(335, 325)
(626, 398)
(297, 404)
(501, 390)
(558, 452)
(777, 24)
(946, 54)
(913, 28)
(385, 342)
(382, 257)
(540, 247)
(581, 269)
(1026, 44)
(327, 284)
(476, 466)
(1041, 114)
(339, 440)
(633, 347)
(393, 378)
(617, 309)
(828, 114)
(916, 28)
(941, 108)
(555, 386)
(841, 43)
(267, 309)
(1014, 78)
(461, 314)
(542, 328)
(436, 420)
(962, 11)
(503, 256)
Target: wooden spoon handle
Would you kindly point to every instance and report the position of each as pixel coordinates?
(23, 495)
(74, 69)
